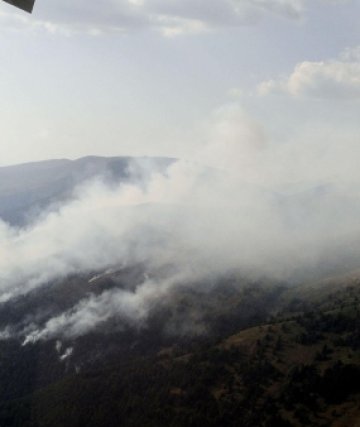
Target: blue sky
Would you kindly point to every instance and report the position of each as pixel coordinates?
(149, 77)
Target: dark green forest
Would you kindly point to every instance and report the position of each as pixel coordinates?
(258, 355)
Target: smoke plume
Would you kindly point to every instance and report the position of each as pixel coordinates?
(241, 205)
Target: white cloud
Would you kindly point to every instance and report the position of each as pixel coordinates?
(170, 17)
(332, 79)
(176, 26)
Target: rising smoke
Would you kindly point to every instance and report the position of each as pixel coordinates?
(244, 204)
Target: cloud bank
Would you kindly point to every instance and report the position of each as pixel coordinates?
(333, 79)
(169, 17)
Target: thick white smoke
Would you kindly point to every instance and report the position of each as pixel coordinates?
(258, 209)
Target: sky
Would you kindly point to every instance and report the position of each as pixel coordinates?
(161, 77)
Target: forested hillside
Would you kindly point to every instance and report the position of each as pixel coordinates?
(238, 355)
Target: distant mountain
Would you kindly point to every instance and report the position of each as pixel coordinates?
(27, 189)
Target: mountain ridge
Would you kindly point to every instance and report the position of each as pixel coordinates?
(28, 188)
